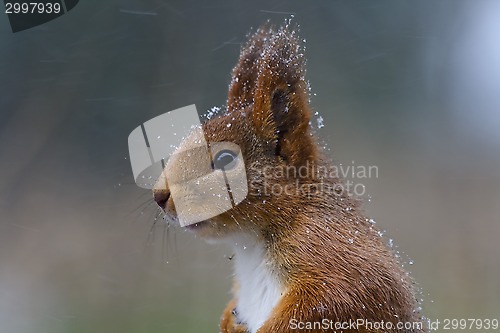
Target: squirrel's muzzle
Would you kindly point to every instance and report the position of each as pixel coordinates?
(161, 197)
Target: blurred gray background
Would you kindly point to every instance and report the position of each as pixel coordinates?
(412, 87)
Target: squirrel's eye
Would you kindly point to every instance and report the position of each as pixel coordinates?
(224, 160)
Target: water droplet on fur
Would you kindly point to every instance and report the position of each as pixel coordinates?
(319, 121)
(228, 125)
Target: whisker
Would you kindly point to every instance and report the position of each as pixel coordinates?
(150, 238)
(143, 205)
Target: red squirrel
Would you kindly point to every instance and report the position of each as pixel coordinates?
(304, 262)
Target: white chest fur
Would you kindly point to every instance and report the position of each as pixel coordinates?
(259, 290)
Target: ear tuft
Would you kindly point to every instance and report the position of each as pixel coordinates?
(270, 80)
(244, 75)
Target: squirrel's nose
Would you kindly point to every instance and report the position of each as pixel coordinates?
(161, 197)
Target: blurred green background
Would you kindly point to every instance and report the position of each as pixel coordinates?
(412, 87)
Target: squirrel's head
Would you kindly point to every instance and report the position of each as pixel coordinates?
(264, 129)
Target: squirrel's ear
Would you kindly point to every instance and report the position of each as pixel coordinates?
(244, 75)
(270, 79)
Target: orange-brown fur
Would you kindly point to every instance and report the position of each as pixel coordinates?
(323, 249)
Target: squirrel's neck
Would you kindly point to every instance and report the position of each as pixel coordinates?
(259, 288)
